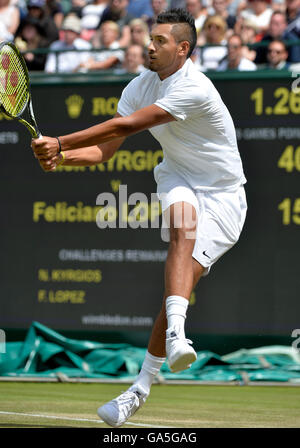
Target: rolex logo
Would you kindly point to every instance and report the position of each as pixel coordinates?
(74, 105)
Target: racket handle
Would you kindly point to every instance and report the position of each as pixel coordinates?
(39, 136)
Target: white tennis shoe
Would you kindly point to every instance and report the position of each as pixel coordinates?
(117, 411)
(179, 352)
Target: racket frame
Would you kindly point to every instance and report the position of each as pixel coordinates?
(32, 127)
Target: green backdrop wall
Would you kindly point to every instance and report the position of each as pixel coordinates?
(59, 268)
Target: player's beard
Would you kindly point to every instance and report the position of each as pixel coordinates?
(153, 69)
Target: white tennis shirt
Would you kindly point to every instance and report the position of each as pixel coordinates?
(200, 145)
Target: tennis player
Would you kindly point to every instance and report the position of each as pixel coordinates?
(199, 182)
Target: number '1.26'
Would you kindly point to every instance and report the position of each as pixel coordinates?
(286, 102)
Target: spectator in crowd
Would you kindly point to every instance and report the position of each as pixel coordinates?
(31, 37)
(220, 7)
(235, 59)
(111, 56)
(214, 41)
(140, 8)
(235, 7)
(77, 7)
(247, 30)
(36, 9)
(292, 10)
(21, 5)
(292, 31)
(259, 12)
(134, 60)
(139, 32)
(278, 5)
(195, 8)
(68, 61)
(278, 29)
(9, 20)
(157, 7)
(116, 11)
(89, 26)
(93, 11)
(54, 9)
(277, 55)
(177, 4)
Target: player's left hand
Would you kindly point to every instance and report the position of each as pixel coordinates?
(50, 164)
(45, 148)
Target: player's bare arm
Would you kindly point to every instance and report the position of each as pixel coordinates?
(84, 156)
(115, 129)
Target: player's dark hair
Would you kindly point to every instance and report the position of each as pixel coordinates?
(180, 16)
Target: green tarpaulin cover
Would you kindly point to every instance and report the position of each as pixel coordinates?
(46, 353)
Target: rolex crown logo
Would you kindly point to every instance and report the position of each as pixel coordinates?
(74, 105)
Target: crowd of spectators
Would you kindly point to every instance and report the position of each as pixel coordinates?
(89, 35)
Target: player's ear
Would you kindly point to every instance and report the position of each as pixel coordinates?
(184, 48)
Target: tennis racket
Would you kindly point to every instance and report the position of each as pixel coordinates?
(15, 96)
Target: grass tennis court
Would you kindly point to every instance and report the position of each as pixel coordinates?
(179, 406)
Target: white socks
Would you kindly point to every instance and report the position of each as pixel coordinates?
(150, 368)
(176, 307)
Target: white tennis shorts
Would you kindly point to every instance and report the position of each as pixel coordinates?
(220, 216)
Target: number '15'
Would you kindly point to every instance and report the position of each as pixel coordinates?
(290, 211)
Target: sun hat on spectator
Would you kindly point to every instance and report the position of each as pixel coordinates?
(72, 23)
(250, 24)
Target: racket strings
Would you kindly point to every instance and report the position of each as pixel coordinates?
(13, 82)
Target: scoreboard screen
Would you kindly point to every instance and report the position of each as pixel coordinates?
(81, 247)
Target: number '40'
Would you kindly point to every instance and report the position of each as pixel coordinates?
(290, 159)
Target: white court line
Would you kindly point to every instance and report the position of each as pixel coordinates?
(56, 417)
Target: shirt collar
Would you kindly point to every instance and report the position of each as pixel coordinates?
(178, 74)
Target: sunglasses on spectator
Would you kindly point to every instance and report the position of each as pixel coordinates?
(235, 46)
